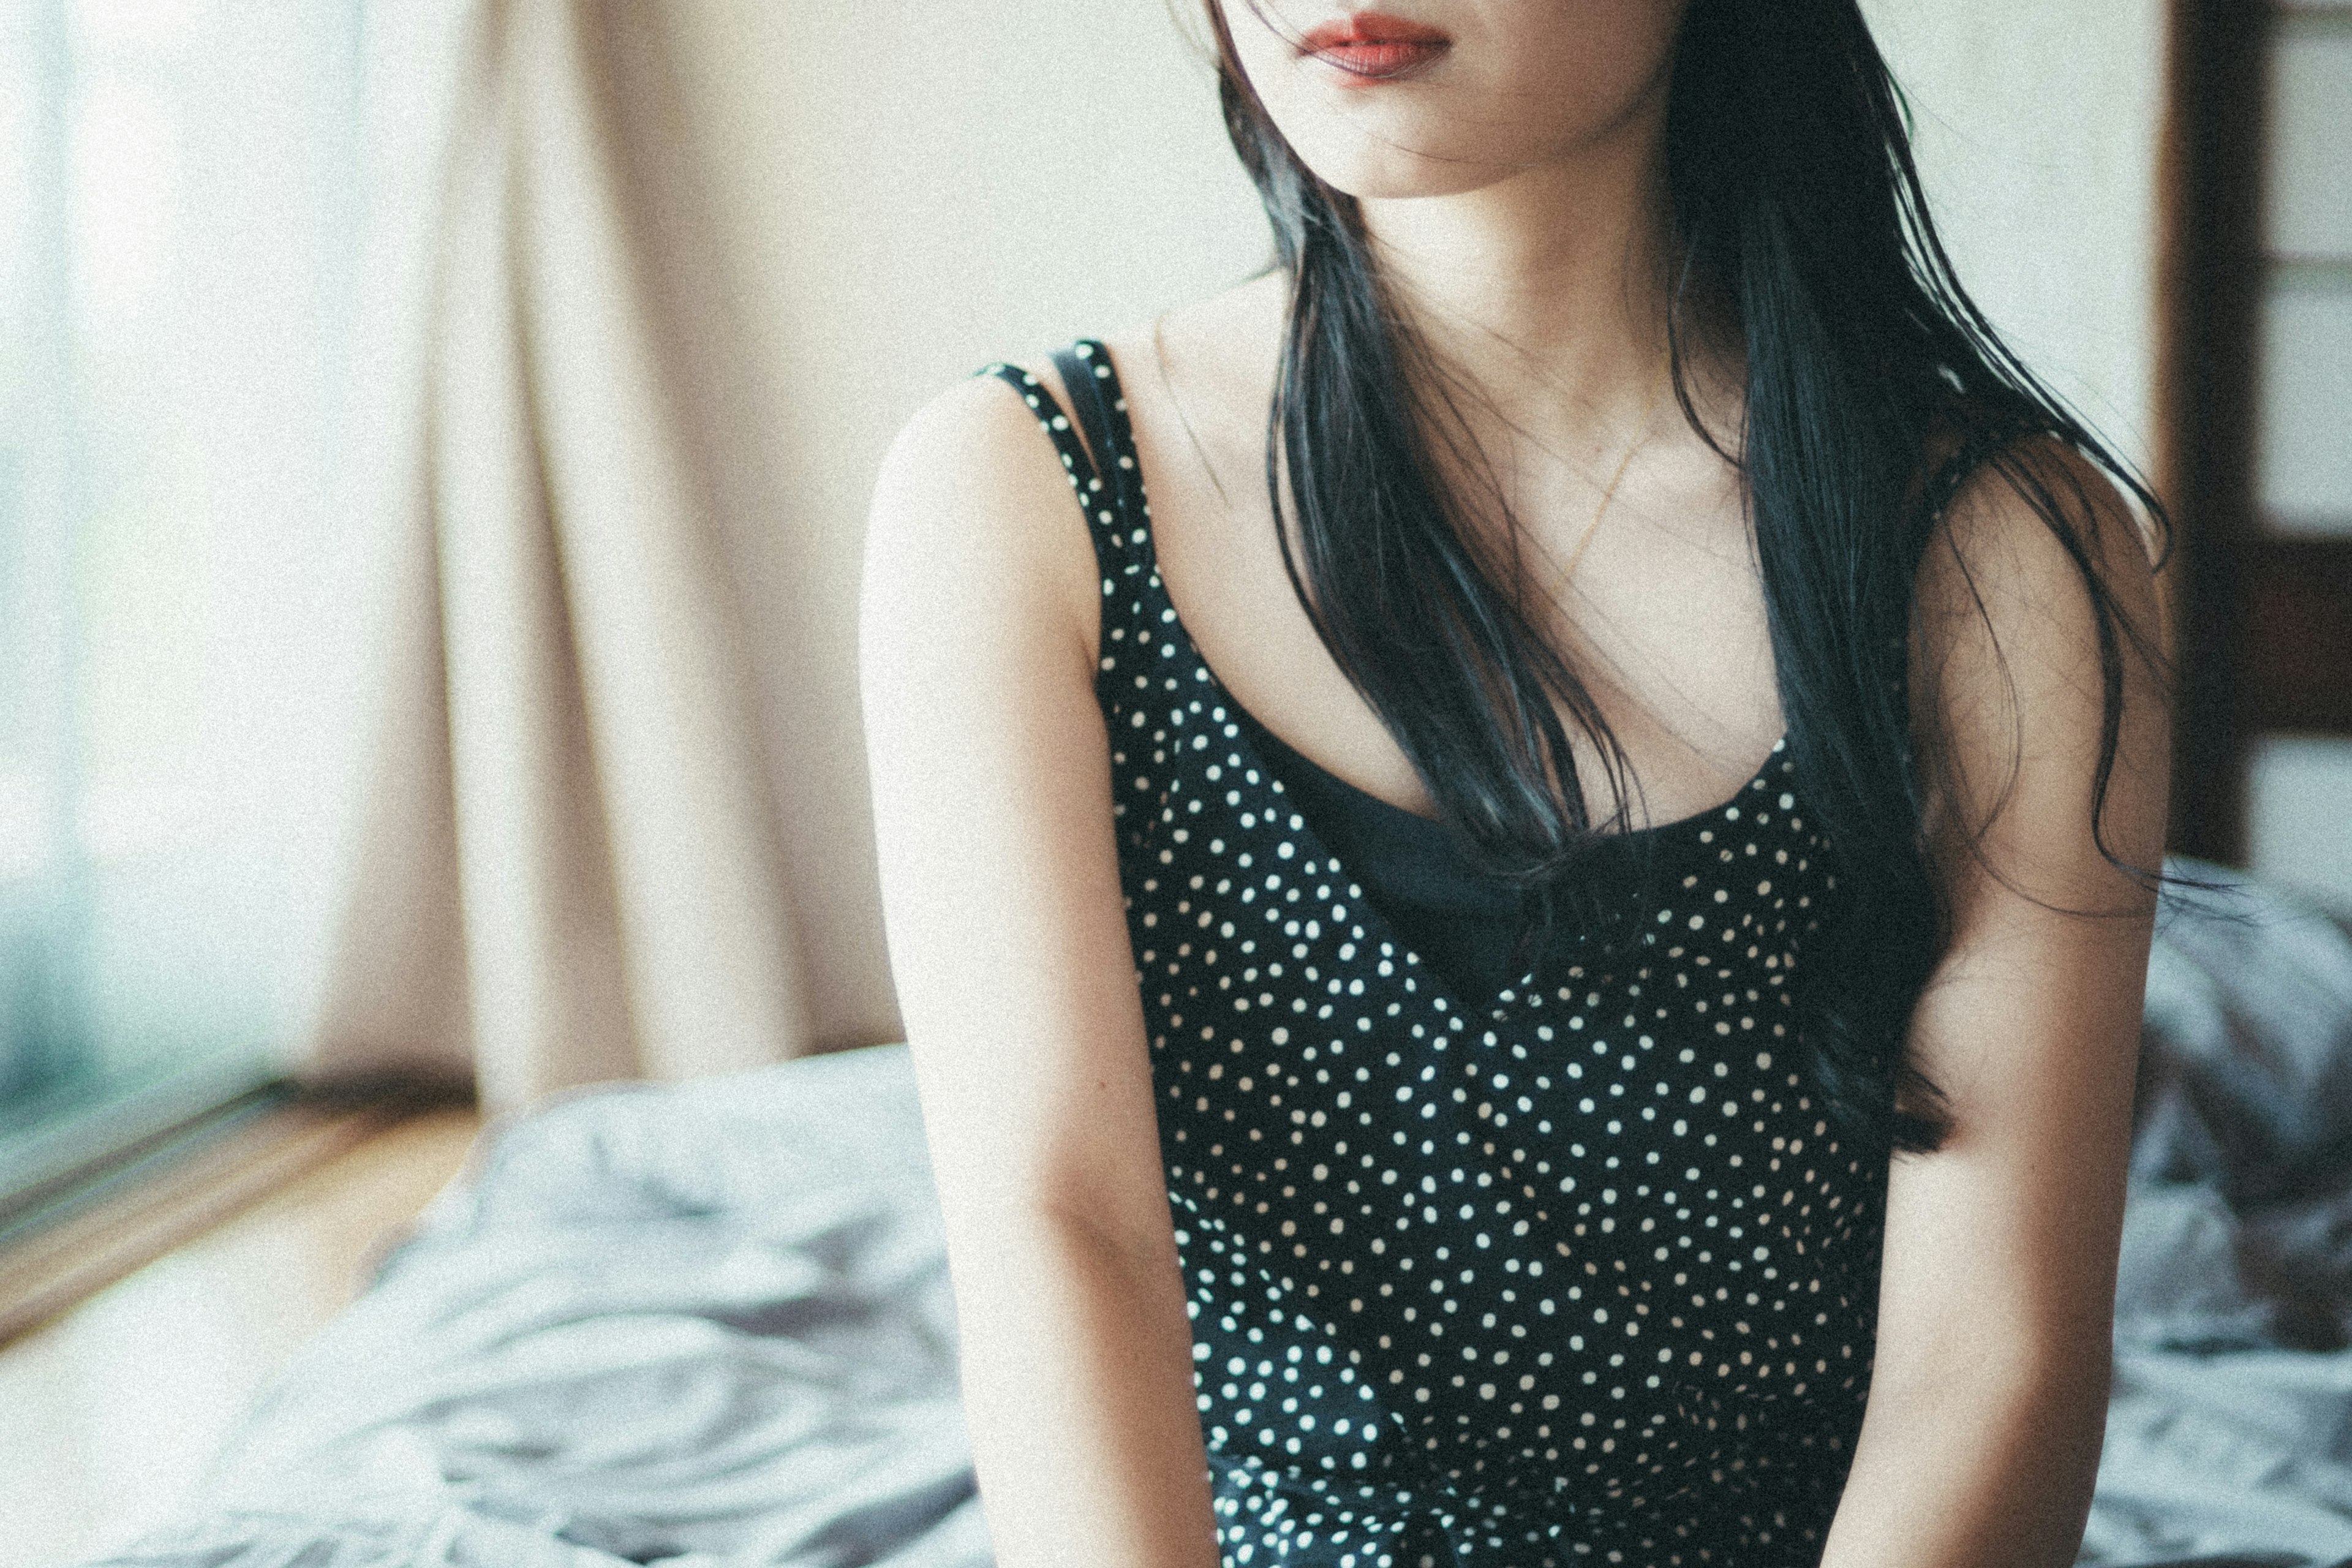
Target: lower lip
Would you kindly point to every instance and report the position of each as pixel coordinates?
(1368, 64)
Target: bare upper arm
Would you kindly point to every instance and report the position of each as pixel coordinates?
(991, 789)
(2002, 1244)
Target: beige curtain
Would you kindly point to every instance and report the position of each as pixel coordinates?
(568, 868)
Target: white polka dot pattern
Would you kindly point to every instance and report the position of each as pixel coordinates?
(1577, 1273)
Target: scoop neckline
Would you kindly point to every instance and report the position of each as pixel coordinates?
(1648, 847)
(1123, 434)
(1436, 824)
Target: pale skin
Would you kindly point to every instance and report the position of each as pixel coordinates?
(991, 773)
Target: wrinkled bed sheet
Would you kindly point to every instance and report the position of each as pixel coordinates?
(710, 1323)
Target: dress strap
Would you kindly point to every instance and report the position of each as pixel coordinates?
(1101, 403)
(1108, 486)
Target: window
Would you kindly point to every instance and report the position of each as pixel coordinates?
(180, 573)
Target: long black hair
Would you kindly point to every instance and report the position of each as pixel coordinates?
(1798, 211)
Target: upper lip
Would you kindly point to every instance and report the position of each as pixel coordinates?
(1370, 28)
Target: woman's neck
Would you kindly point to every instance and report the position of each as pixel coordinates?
(1547, 290)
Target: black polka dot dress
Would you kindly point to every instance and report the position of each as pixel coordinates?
(1575, 1271)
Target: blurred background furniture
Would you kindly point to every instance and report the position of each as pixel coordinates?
(2256, 394)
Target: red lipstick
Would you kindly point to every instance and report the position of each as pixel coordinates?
(1372, 46)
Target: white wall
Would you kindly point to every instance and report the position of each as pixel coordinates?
(913, 187)
(2038, 123)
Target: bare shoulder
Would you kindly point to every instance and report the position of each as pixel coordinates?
(2030, 527)
(974, 524)
(2038, 673)
(974, 453)
(973, 513)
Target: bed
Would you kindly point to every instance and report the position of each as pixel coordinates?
(710, 1323)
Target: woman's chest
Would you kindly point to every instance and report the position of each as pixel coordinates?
(1609, 1189)
(1663, 626)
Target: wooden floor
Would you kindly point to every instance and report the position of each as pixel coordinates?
(109, 1414)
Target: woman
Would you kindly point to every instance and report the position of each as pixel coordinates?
(1539, 962)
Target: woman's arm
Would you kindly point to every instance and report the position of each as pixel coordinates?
(1989, 1397)
(1016, 982)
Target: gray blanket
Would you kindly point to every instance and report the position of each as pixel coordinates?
(710, 1323)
